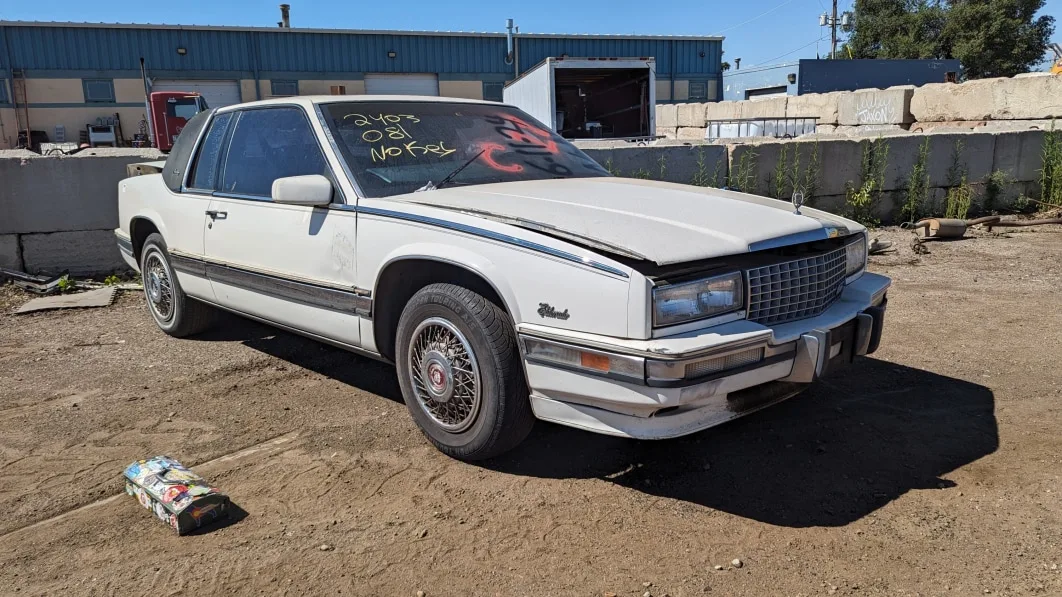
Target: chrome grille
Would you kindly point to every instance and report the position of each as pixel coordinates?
(795, 289)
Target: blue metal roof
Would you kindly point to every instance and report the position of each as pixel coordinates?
(106, 47)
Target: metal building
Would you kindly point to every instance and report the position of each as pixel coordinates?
(822, 76)
(63, 76)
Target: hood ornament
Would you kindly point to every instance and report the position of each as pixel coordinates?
(798, 201)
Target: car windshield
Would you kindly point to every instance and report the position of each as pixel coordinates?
(399, 147)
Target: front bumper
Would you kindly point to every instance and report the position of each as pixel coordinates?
(787, 358)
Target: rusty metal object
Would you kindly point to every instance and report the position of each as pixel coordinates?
(1022, 223)
(942, 228)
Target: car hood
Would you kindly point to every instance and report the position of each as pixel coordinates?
(656, 221)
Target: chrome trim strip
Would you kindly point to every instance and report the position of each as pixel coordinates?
(345, 346)
(222, 195)
(798, 238)
(353, 300)
(489, 234)
(712, 351)
(124, 243)
(188, 265)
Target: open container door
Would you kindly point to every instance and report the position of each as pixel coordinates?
(588, 98)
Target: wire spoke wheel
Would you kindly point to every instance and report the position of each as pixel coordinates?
(158, 287)
(444, 374)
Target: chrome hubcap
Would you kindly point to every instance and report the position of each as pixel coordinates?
(157, 286)
(444, 374)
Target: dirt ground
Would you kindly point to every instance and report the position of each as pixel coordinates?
(930, 468)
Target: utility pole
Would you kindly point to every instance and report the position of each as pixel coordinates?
(846, 21)
(833, 32)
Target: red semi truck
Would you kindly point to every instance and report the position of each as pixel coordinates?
(170, 111)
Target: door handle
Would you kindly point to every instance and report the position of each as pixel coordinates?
(217, 215)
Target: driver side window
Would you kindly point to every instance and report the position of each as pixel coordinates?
(267, 144)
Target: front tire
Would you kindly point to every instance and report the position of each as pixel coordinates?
(172, 310)
(459, 369)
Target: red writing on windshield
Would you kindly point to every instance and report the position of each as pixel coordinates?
(526, 135)
(488, 157)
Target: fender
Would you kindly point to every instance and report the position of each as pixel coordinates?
(463, 258)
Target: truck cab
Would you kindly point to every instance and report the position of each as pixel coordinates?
(170, 111)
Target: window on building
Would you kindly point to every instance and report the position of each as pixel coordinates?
(99, 91)
(285, 88)
(338, 89)
(492, 91)
(204, 172)
(699, 90)
(3, 92)
(267, 144)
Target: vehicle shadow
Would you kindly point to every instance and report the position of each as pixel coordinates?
(841, 450)
(848, 446)
(335, 363)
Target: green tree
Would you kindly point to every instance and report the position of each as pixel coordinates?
(897, 29)
(997, 38)
(991, 38)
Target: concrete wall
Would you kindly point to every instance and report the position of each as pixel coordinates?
(60, 213)
(1023, 102)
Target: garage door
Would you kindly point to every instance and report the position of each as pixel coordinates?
(766, 92)
(406, 84)
(216, 93)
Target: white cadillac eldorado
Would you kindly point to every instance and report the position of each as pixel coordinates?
(506, 274)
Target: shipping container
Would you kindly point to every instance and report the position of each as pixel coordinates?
(587, 98)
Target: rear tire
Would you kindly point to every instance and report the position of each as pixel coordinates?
(173, 311)
(460, 373)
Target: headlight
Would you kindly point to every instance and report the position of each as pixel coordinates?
(680, 303)
(856, 256)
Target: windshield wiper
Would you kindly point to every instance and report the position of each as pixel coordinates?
(451, 176)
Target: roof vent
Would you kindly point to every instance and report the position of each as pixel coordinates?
(285, 16)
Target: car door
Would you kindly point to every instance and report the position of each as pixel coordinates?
(289, 264)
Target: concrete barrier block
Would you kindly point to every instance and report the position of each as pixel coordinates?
(870, 130)
(52, 194)
(768, 107)
(1027, 98)
(666, 115)
(672, 163)
(976, 153)
(814, 105)
(670, 132)
(1019, 154)
(10, 252)
(839, 164)
(82, 253)
(943, 102)
(876, 107)
(723, 111)
(691, 132)
(690, 114)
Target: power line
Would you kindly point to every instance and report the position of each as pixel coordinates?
(792, 52)
(743, 23)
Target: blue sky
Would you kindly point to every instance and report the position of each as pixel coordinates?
(757, 31)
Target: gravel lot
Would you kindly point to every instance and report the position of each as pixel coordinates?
(931, 468)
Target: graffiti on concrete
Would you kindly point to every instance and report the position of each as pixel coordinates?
(875, 109)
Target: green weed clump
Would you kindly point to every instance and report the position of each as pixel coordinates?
(862, 199)
(1051, 170)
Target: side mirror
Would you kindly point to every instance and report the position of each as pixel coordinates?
(312, 189)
